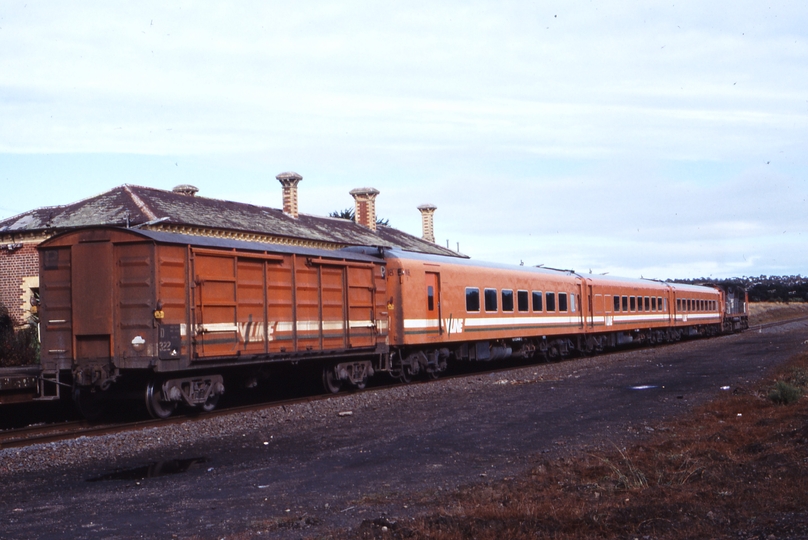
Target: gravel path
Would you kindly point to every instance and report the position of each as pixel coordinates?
(300, 471)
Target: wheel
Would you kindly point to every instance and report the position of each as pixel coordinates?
(330, 381)
(91, 405)
(406, 374)
(154, 402)
(211, 403)
(362, 384)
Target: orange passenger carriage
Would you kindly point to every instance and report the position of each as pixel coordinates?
(452, 309)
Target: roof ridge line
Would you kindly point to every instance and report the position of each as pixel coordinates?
(139, 203)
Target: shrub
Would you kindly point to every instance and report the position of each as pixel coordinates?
(784, 393)
(18, 347)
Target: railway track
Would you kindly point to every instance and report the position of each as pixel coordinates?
(43, 434)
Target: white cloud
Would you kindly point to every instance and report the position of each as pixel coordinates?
(625, 128)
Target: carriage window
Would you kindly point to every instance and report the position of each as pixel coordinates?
(490, 299)
(625, 303)
(572, 303)
(632, 302)
(430, 298)
(507, 300)
(617, 303)
(472, 299)
(659, 303)
(537, 301)
(678, 304)
(550, 301)
(562, 301)
(647, 304)
(653, 303)
(521, 301)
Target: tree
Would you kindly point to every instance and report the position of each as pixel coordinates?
(350, 214)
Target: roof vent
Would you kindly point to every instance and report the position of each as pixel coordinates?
(289, 181)
(427, 222)
(186, 189)
(365, 203)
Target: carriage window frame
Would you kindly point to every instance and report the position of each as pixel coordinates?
(625, 304)
(522, 303)
(562, 302)
(507, 300)
(616, 303)
(550, 302)
(538, 301)
(472, 298)
(632, 303)
(490, 299)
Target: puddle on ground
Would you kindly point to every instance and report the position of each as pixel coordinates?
(644, 387)
(152, 470)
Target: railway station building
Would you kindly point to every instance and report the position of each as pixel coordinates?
(183, 211)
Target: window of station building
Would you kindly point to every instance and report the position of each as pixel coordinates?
(550, 297)
(537, 301)
(472, 299)
(507, 300)
(490, 299)
(632, 302)
(617, 303)
(653, 303)
(625, 303)
(521, 301)
(562, 301)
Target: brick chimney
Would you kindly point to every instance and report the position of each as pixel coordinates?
(427, 222)
(186, 189)
(365, 205)
(289, 181)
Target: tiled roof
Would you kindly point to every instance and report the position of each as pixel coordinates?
(136, 205)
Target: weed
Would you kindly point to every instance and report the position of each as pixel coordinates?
(784, 393)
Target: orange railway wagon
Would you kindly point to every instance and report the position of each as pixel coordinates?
(171, 314)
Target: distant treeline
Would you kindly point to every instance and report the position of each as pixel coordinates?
(763, 288)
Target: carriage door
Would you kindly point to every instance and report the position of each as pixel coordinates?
(433, 301)
(361, 306)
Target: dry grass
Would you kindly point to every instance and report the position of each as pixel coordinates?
(735, 468)
(766, 312)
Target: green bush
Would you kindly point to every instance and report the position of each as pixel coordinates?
(784, 393)
(18, 347)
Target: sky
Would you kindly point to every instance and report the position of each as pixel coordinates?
(654, 139)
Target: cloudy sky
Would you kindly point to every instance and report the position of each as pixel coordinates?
(662, 139)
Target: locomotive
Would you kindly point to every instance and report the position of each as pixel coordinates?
(172, 318)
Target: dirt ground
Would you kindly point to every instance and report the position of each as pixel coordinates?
(417, 460)
(735, 467)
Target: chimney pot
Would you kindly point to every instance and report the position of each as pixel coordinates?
(289, 181)
(365, 206)
(427, 222)
(186, 189)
